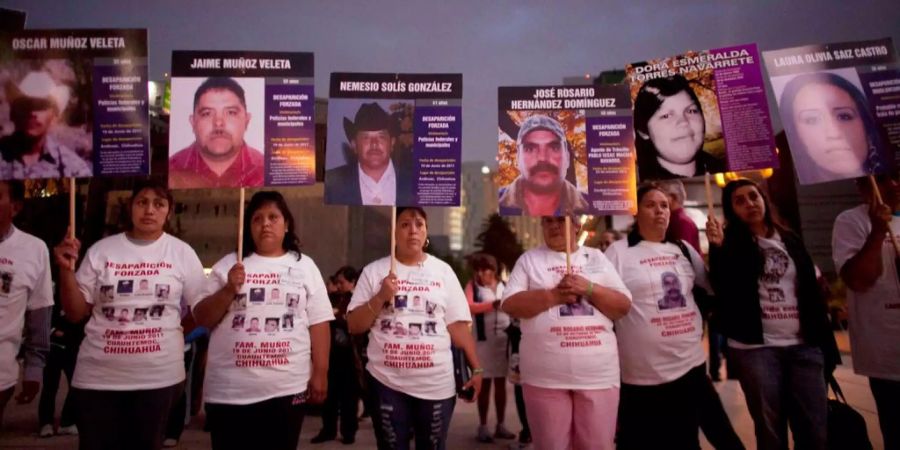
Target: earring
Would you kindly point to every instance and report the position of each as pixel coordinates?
(427, 243)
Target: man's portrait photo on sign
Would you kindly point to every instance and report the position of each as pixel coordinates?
(670, 127)
(539, 164)
(369, 158)
(830, 128)
(45, 119)
(217, 133)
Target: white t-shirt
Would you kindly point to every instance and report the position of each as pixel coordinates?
(660, 337)
(495, 321)
(409, 346)
(251, 363)
(133, 339)
(875, 313)
(777, 297)
(24, 286)
(567, 346)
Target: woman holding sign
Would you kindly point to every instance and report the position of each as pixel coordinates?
(774, 317)
(259, 379)
(670, 129)
(411, 373)
(664, 378)
(130, 369)
(834, 136)
(568, 356)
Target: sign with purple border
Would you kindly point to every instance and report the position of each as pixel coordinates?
(840, 107)
(241, 119)
(394, 139)
(77, 102)
(565, 150)
(701, 112)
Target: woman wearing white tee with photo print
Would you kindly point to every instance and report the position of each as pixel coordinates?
(569, 360)
(774, 316)
(266, 358)
(130, 366)
(664, 379)
(410, 368)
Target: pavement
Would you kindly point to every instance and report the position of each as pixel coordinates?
(20, 422)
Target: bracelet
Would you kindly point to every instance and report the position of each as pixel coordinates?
(477, 371)
(590, 289)
(369, 304)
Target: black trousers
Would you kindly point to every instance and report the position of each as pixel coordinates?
(343, 394)
(4, 399)
(887, 402)
(669, 415)
(178, 413)
(113, 420)
(272, 424)
(60, 361)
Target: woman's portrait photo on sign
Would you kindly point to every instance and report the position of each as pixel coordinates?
(369, 157)
(46, 124)
(217, 132)
(673, 133)
(543, 163)
(829, 126)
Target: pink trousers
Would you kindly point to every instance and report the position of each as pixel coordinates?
(563, 419)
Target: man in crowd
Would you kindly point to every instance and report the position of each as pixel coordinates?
(26, 301)
(864, 256)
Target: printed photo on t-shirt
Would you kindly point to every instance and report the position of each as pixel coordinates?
(271, 324)
(275, 294)
(125, 287)
(293, 300)
(672, 296)
(257, 295)
(415, 329)
(254, 325)
(237, 322)
(400, 301)
(140, 314)
(430, 307)
(430, 328)
(287, 322)
(156, 311)
(399, 329)
(417, 302)
(385, 325)
(124, 316)
(578, 309)
(776, 265)
(6, 279)
(776, 294)
(109, 313)
(107, 293)
(143, 287)
(239, 303)
(162, 292)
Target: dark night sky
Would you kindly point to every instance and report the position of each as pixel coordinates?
(492, 43)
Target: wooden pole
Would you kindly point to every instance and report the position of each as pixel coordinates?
(72, 208)
(240, 239)
(709, 195)
(880, 201)
(393, 239)
(568, 244)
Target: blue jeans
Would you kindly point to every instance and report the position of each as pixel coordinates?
(784, 385)
(398, 413)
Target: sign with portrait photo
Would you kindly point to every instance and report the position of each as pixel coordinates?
(701, 112)
(566, 150)
(77, 104)
(840, 107)
(394, 139)
(241, 119)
